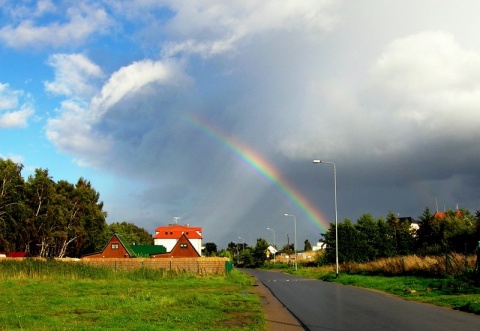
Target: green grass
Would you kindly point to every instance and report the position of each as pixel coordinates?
(50, 295)
(447, 292)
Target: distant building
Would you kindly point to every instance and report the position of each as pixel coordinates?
(169, 241)
(183, 248)
(169, 236)
(13, 254)
(414, 225)
(441, 215)
(118, 247)
(319, 246)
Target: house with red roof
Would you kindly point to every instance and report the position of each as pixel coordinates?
(183, 248)
(169, 236)
(172, 240)
(118, 247)
(441, 215)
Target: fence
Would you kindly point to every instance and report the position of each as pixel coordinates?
(198, 265)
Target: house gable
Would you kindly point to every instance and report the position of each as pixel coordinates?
(183, 248)
(117, 247)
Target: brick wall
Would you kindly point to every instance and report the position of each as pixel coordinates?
(199, 265)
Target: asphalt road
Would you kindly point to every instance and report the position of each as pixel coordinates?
(322, 305)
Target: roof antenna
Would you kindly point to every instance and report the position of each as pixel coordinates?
(436, 203)
(176, 219)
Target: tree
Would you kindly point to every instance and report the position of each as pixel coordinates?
(245, 258)
(348, 243)
(233, 248)
(93, 220)
(131, 232)
(307, 246)
(45, 218)
(402, 236)
(210, 249)
(428, 234)
(386, 243)
(259, 252)
(40, 190)
(459, 231)
(368, 239)
(225, 253)
(84, 227)
(12, 207)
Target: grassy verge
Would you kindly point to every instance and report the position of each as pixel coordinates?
(447, 292)
(49, 295)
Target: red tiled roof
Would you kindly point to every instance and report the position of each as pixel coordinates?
(175, 231)
(16, 254)
(441, 215)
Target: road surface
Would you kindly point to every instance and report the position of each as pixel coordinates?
(320, 305)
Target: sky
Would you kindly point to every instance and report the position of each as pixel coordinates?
(212, 111)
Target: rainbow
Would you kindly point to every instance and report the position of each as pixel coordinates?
(264, 168)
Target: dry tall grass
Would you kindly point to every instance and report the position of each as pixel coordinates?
(453, 264)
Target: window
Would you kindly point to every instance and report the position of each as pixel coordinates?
(183, 246)
(114, 246)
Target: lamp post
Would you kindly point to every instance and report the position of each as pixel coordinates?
(273, 243)
(336, 214)
(243, 245)
(295, 248)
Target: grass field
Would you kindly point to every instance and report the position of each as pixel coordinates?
(50, 295)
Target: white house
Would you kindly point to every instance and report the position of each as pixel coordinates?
(169, 235)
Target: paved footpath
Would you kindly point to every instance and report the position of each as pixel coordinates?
(278, 317)
(319, 305)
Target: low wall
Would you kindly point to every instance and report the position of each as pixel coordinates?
(199, 265)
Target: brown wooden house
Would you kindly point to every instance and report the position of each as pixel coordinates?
(118, 247)
(183, 248)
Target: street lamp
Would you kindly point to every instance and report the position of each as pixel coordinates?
(336, 214)
(243, 246)
(295, 248)
(273, 243)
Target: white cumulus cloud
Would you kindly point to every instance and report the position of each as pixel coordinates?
(15, 108)
(75, 75)
(74, 25)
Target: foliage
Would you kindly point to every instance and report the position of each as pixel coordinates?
(225, 253)
(210, 249)
(47, 218)
(13, 234)
(307, 247)
(370, 239)
(456, 231)
(245, 258)
(131, 232)
(259, 252)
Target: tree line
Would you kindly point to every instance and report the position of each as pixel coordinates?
(370, 239)
(46, 218)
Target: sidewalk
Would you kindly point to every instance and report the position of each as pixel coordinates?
(278, 317)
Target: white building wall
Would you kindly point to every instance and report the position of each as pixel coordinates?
(170, 243)
(197, 243)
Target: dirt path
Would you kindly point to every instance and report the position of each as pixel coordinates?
(278, 317)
